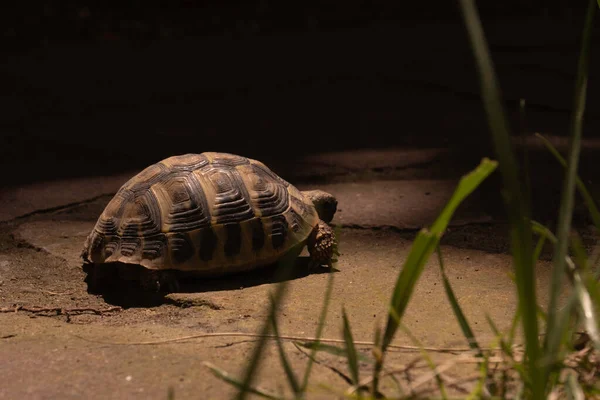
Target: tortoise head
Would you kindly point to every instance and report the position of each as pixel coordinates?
(325, 203)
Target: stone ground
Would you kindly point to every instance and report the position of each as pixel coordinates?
(68, 109)
(384, 197)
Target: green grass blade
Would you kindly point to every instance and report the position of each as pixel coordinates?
(398, 387)
(224, 375)
(422, 247)
(506, 346)
(477, 392)
(320, 326)
(289, 372)
(425, 243)
(579, 297)
(350, 350)
(465, 187)
(568, 195)
(458, 313)
(378, 354)
(585, 285)
(543, 231)
(585, 288)
(333, 350)
(593, 288)
(585, 194)
(564, 317)
(579, 253)
(283, 273)
(503, 344)
(538, 248)
(515, 198)
(513, 327)
(428, 360)
(588, 311)
(525, 159)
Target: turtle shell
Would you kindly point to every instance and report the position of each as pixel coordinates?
(212, 213)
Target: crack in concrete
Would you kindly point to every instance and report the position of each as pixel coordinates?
(397, 229)
(60, 207)
(353, 174)
(24, 244)
(391, 228)
(316, 178)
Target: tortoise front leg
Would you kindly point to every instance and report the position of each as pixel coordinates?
(321, 246)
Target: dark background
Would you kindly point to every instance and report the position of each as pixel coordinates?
(95, 87)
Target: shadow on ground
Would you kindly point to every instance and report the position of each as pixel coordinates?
(129, 285)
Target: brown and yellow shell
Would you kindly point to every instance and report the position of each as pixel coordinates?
(210, 212)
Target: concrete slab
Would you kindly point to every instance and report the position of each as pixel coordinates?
(364, 166)
(405, 205)
(402, 204)
(368, 267)
(22, 200)
(63, 239)
(378, 97)
(40, 267)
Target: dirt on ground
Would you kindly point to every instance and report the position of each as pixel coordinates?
(387, 118)
(57, 340)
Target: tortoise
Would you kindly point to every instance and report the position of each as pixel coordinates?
(208, 215)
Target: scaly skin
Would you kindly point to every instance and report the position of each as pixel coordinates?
(321, 245)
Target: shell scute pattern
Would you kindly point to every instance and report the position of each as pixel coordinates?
(186, 162)
(149, 176)
(259, 166)
(202, 212)
(109, 221)
(226, 159)
(233, 243)
(295, 221)
(180, 246)
(231, 201)
(129, 247)
(268, 195)
(279, 230)
(185, 208)
(155, 247)
(97, 245)
(305, 211)
(111, 246)
(258, 234)
(140, 217)
(209, 242)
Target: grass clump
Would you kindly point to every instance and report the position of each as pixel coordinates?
(564, 362)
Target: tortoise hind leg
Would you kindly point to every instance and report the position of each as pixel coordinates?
(99, 277)
(164, 281)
